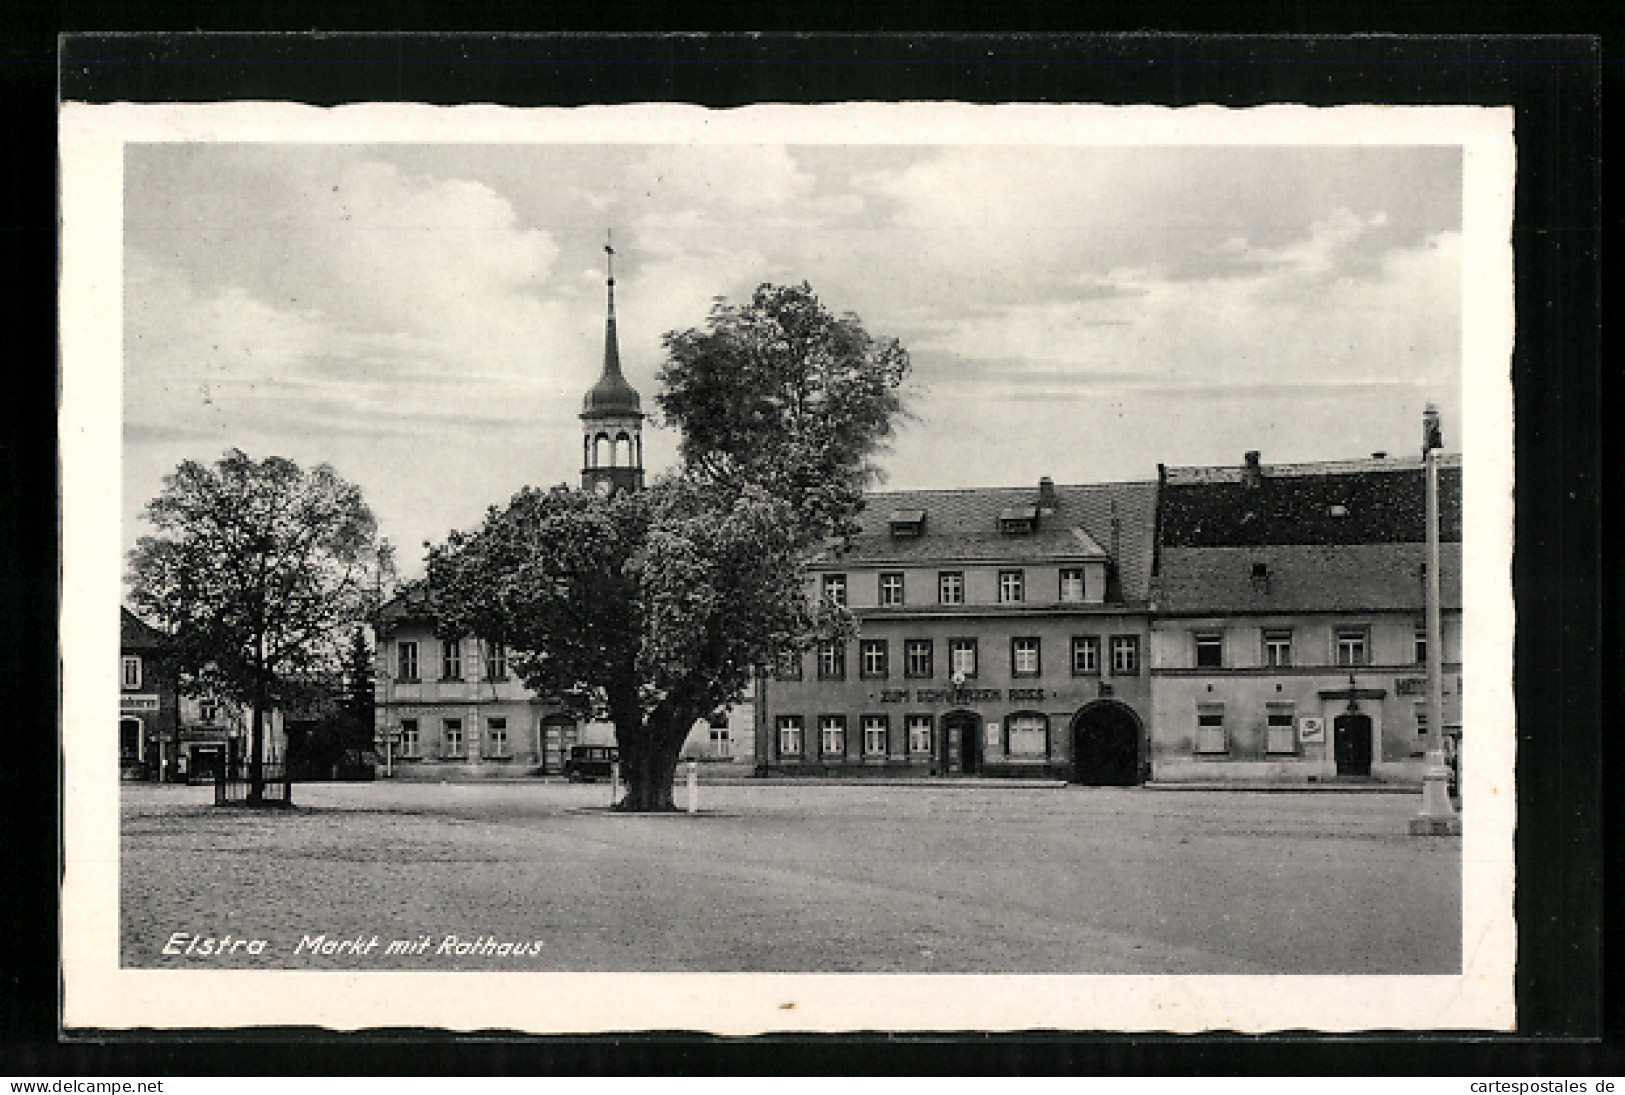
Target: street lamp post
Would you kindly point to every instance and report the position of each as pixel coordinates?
(1438, 817)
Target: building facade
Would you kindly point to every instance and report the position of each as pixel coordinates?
(1288, 639)
(998, 632)
(148, 703)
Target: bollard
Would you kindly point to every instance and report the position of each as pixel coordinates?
(693, 787)
(614, 783)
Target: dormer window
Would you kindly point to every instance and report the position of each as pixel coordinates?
(906, 523)
(1018, 520)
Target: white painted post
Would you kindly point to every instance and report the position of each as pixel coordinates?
(614, 783)
(693, 786)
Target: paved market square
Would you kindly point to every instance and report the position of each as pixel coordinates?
(773, 876)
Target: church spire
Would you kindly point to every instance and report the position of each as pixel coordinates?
(611, 413)
(612, 346)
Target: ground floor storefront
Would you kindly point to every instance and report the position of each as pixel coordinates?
(1297, 725)
(1081, 734)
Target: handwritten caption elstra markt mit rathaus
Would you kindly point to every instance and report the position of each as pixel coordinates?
(187, 945)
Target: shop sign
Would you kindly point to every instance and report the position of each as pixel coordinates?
(1032, 694)
(1411, 686)
(1312, 729)
(957, 695)
(138, 702)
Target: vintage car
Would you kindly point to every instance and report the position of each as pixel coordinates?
(589, 762)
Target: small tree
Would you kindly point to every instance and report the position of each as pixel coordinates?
(356, 718)
(659, 605)
(256, 572)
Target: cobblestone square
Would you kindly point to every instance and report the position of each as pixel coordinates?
(781, 877)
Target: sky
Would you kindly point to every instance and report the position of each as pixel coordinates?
(425, 318)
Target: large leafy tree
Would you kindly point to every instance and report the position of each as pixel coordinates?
(257, 571)
(657, 606)
(783, 394)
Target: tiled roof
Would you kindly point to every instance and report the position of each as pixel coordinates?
(1302, 578)
(963, 526)
(136, 634)
(410, 603)
(1348, 502)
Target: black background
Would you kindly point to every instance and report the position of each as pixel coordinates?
(1565, 591)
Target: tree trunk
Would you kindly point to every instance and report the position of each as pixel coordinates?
(650, 769)
(256, 763)
(649, 751)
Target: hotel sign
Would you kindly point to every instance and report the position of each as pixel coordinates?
(145, 701)
(958, 695)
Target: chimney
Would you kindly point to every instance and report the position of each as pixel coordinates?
(1432, 431)
(1252, 474)
(1046, 496)
(1379, 456)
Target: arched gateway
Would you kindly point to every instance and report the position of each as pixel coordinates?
(1106, 738)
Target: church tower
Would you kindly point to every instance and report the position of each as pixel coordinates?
(611, 417)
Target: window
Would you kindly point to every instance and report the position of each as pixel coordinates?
(1027, 735)
(409, 737)
(1209, 649)
(951, 587)
(789, 735)
(1210, 729)
(496, 734)
(1018, 520)
(962, 657)
(1085, 655)
(1279, 737)
(451, 660)
(905, 523)
(1351, 646)
(1072, 583)
(1421, 720)
(831, 661)
(872, 659)
(1277, 647)
(788, 666)
(1125, 655)
(406, 661)
(874, 735)
(452, 735)
(496, 662)
(891, 589)
(1024, 658)
(132, 670)
(1421, 646)
(832, 736)
(835, 589)
(721, 742)
(917, 659)
(207, 710)
(919, 734)
(1012, 586)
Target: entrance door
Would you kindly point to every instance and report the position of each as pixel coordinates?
(965, 729)
(129, 742)
(1351, 744)
(557, 737)
(1106, 746)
